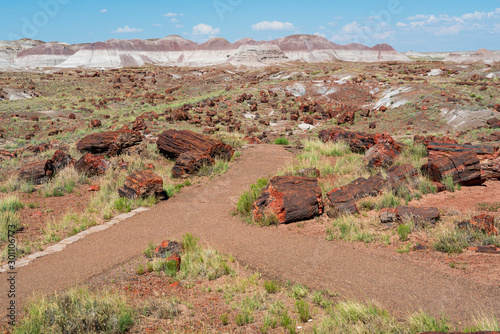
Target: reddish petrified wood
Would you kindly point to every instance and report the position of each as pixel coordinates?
(34, 172)
(426, 140)
(490, 169)
(429, 214)
(358, 189)
(464, 168)
(190, 163)
(4, 154)
(58, 162)
(95, 123)
(92, 165)
(142, 184)
(358, 141)
(290, 199)
(109, 142)
(171, 251)
(484, 222)
(346, 117)
(438, 150)
(381, 155)
(173, 143)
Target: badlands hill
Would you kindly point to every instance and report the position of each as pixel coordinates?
(177, 51)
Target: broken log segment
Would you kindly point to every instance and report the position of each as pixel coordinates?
(438, 150)
(173, 143)
(190, 163)
(142, 184)
(109, 142)
(34, 172)
(464, 168)
(290, 199)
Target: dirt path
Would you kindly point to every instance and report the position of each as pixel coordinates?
(205, 211)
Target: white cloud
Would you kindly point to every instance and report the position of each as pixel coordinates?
(170, 15)
(104, 10)
(275, 25)
(179, 26)
(321, 28)
(401, 25)
(205, 29)
(320, 34)
(351, 28)
(126, 29)
(174, 20)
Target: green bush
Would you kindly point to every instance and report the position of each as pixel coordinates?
(77, 311)
(162, 308)
(303, 310)
(281, 141)
(271, 286)
(9, 221)
(11, 203)
(403, 232)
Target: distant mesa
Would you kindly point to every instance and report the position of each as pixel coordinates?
(174, 50)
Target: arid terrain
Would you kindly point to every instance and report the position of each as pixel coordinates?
(328, 194)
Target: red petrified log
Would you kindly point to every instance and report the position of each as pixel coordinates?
(358, 141)
(142, 184)
(34, 172)
(190, 163)
(485, 223)
(92, 165)
(381, 155)
(109, 142)
(173, 143)
(438, 150)
(290, 199)
(464, 168)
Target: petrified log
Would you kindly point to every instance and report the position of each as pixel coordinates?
(358, 189)
(403, 213)
(346, 117)
(92, 165)
(58, 162)
(464, 168)
(4, 154)
(485, 223)
(142, 184)
(34, 172)
(173, 143)
(358, 141)
(426, 140)
(381, 155)
(109, 142)
(438, 150)
(490, 169)
(290, 199)
(190, 163)
(171, 251)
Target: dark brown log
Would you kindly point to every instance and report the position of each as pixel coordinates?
(109, 142)
(357, 190)
(6, 155)
(92, 165)
(190, 163)
(438, 150)
(430, 214)
(173, 143)
(381, 155)
(290, 199)
(464, 168)
(142, 184)
(34, 172)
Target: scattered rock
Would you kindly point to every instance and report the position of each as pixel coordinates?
(94, 187)
(58, 162)
(171, 251)
(290, 199)
(190, 162)
(95, 123)
(381, 155)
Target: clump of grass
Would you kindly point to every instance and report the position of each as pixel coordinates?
(454, 241)
(348, 228)
(414, 154)
(425, 186)
(218, 168)
(491, 207)
(388, 200)
(172, 189)
(329, 149)
(11, 203)
(77, 311)
(64, 182)
(303, 310)
(422, 322)
(13, 183)
(281, 141)
(450, 184)
(9, 221)
(271, 286)
(197, 262)
(162, 308)
(123, 205)
(404, 231)
(232, 139)
(244, 205)
(299, 291)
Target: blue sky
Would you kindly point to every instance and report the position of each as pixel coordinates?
(421, 25)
